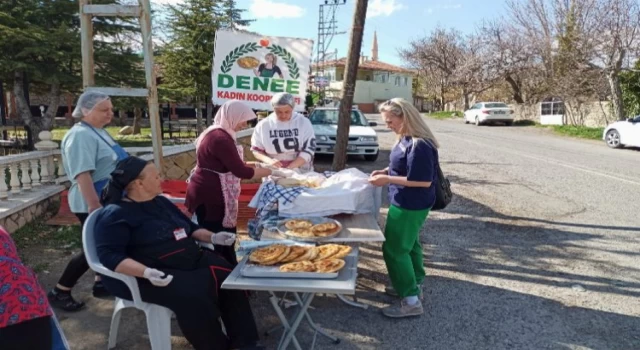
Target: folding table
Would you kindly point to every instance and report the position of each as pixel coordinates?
(303, 289)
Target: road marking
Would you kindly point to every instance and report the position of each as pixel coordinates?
(569, 166)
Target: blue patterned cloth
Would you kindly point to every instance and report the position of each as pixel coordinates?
(269, 195)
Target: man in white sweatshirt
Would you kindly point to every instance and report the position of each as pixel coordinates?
(284, 139)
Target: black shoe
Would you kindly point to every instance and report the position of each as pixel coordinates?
(64, 301)
(99, 291)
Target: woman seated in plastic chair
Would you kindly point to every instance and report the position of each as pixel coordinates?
(141, 234)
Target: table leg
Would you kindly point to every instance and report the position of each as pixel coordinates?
(353, 303)
(288, 331)
(305, 301)
(314, 325)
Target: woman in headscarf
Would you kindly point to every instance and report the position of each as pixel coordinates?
(284, 139)
(142, 234)
(214, 187)
(89, 155)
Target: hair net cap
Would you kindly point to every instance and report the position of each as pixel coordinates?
(87, 101)
(283, 99)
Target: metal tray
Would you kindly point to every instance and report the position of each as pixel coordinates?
(251, 270)
(315, 220)
(248, 269)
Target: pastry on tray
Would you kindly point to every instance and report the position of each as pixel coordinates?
(329, 265)
(343, 252)
(301, 233)
(297, 223)
(326, 251)
(270, 255)
(295, 253)
(325, 229)
(309, 255)
(300, 266)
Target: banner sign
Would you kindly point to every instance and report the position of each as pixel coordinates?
(252, 68)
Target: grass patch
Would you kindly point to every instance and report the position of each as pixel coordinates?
(38, 233)
(141, 140)
(582, 132)
(445, 114)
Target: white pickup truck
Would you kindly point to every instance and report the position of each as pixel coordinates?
(362, 138)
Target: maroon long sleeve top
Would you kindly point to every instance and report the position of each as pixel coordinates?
(217, 152)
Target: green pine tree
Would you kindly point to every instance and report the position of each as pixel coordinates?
(186, 60)
(40, 40)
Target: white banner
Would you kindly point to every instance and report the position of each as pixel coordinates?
(252, 68)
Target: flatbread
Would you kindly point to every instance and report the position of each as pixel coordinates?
(295, 252)
(300, 266)
(325, 229)
(268, 253)
(297, 223)
(301, 232)
(327, 251)
(310, 254)
(344, 251)
(329, 265)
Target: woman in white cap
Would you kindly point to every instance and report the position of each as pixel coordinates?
(285, 139)
(89, 155)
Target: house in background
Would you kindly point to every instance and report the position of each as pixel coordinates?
(376, 81)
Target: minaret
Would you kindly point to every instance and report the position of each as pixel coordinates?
(374, 47)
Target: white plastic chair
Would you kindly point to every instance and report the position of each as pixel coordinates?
(158, 317)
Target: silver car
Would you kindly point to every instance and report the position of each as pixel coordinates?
(362, 138)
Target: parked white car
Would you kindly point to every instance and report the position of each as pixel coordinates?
(489, 113)
(623, 133)
(362, 138)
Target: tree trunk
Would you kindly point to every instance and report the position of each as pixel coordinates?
(49, 118)
(199, 125)
(515, 89)
(137, 116)
(442, 98)
(465, 95)
(351, 70)
(209, 112)
(23, 109)
(616, 95)
(122, 117)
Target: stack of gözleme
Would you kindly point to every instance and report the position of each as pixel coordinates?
(328, 258)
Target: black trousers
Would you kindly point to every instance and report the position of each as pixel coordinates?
(198, 301)
(228, 252)
(33, 335)
(78, 265)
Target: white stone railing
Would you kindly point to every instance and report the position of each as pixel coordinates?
(31, 170)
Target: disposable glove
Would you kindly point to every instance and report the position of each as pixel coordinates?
(157, 277)
(223, 238)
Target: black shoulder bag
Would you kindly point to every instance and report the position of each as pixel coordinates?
(443, 187)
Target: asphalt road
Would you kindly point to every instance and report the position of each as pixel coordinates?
(538, 250)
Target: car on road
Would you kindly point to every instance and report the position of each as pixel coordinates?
(623, 133)
(489, 113)
(362, 137)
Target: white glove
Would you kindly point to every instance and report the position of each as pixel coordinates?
(157, 278)
(283, 173)
(223, 238)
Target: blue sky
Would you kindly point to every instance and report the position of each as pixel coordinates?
(396, 21)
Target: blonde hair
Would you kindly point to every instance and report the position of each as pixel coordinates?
(274, 58)
(413, 124)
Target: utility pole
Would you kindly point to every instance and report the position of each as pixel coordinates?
(349, 86)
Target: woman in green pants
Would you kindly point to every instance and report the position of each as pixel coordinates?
(410, 175)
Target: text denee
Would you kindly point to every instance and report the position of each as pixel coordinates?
(242, 82)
